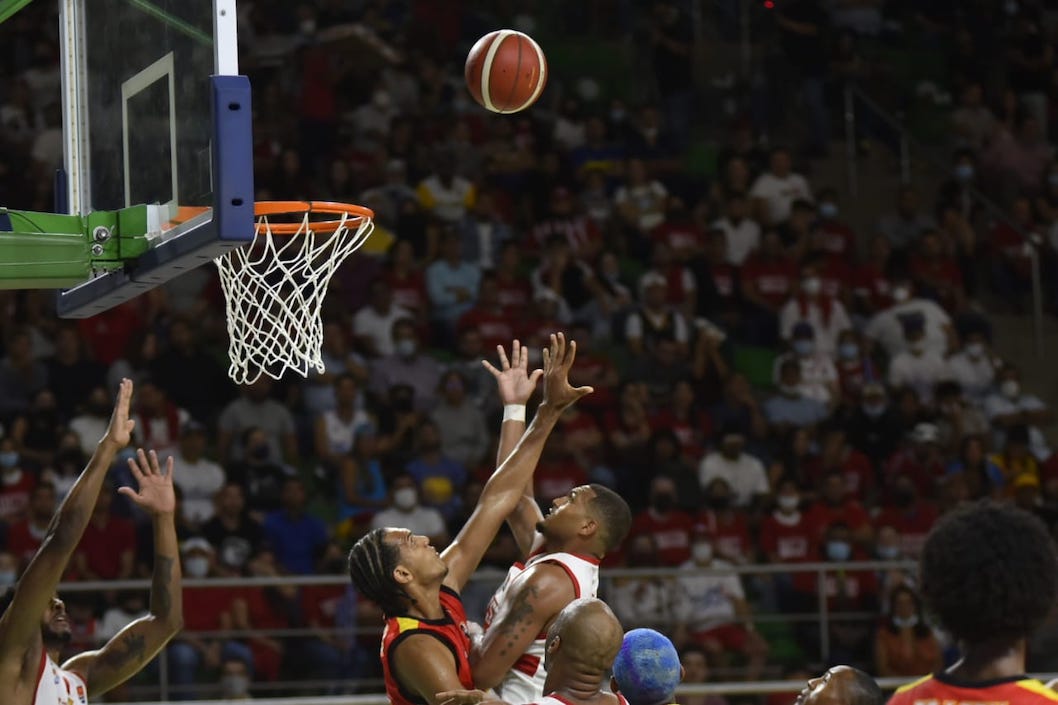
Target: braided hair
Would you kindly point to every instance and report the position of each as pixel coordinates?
(371, 565)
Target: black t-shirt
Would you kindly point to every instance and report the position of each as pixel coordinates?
(234, 546)
(807, 52)
(262, 484)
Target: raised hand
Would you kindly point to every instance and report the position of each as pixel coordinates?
(513, 380)
(558, 360)
(119, 432)
(156, 494)
(460, 697)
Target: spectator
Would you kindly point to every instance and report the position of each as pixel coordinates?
(334, 431)
(373, 323)
(887, 326)
(904, 227)
(788, 536)
(296, 538)
(711, 610)
(16, 484)
(917, 367)
(973, 366)
(654, 320)
(956, 417)
(189, 375)
(825, 314)
(983, 477)
(848, 591)
(874, 427)
(38, 431)
(198, 477)
(855, 368)
(641, 200)
(904, 645)
(642, 601)
(443, 194)
(439, 477)
(91, 423)
(741, 233)
(408, 297)
(235, 679)
(1009, 406)
(936, 272)
(21, 376)
(789, 408)
(566, 224)
(255, 409)
(726, 523)
(910, 514)
(24, 537)
(407, 365)
(838, 454)
(488, 316)
(1014, 459)
(260, 610)
(515, 294)
(236, 536)
(768, 278)
(361, 486)
(665, 456)
(261, 477)
(819, 376)
(451, 283)
(919, 460)
(107, 549)
(483, 232)
(566, 277)
(835, 506)
(836, 238)
(774, 191)
(71, 374)
(742, 472)
(406, 511)
(973, 122)
(667, 527)
(695, 665)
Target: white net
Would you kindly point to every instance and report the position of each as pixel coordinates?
(274, 289)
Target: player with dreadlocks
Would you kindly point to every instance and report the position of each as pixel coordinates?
(425, 646)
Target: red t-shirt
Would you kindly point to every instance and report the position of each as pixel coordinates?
(850, 513)
(103, 546)
(681, 237)
(725, 280)
(409, 291)
(941, 689)
(773, 279)
(107, 334)
(912, 524)
(555, 478)
(837, 238)
(449, 630)
(22, 543)
(495, 327)
(857, 471)
(204, 607)
(14, 499)
(730, 532)
(788, 537)
(872, 285)
(672, 534)
(693, 433)
(835, 276)
(514, 295)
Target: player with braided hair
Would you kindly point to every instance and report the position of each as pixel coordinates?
(425, 645)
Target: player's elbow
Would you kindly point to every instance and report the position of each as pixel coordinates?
(487, 676)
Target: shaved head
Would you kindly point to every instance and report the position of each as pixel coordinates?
(582, 642)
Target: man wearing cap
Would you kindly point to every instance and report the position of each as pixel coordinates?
(198, 477)
(654, 320)
(917, 366)
(647, 669)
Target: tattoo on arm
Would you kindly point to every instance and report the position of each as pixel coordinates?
(128, 651)
(161, 597)
(513, 625)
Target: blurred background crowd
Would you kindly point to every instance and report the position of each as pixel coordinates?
(784, 374)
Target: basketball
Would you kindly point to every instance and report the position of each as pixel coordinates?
(506, 71)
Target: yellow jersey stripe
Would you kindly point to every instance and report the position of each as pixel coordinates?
(913, 684)
(1034, 686)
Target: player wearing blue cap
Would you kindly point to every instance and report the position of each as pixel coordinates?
(647, 668)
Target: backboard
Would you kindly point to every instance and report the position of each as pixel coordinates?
(154, 112)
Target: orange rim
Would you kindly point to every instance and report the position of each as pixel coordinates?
(352, 212)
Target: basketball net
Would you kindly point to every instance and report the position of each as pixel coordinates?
(274, 289)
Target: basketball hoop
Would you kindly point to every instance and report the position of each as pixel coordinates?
(274, 286)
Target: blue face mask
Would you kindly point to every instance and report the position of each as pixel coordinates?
(838, 550)
(8, 459)
(828, 210)
(849, 351)
(964, 172)
(804, 347)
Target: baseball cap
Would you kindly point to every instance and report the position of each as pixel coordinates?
(647, 668)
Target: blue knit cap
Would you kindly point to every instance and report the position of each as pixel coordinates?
(647, 668)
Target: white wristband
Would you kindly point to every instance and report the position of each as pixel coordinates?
(514, 412)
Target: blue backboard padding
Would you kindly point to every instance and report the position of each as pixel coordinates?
(232, 224)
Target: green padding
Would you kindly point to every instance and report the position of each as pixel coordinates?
(10, 7)
(755, 363)
(42, 260)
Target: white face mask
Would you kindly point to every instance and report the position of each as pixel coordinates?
(789, 502)
(234, 686)
(905, 622)
(811, 286)
(901, 294)
(197, 566)
(1010, 389)
(975, 350)
(405, 347)
(917, 346)
(405, 498)
(702, 552)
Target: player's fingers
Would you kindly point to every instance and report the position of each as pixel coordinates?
(571, 354)
(547, 360)
(153, 458)
(488, 366)
(534, 378)
(138, 472)
(505, 364)
(169, 468)
(583, 391)
(560, 350)
(129, 492)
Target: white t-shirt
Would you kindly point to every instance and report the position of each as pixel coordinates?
(975, 377)
(920, 372)
(998, 405)
(779, 194)
(745, 475)
(425, 521)
(818, 373)
(369, 323)
(706, 601)
(742, 239)
(826, 329)
(199, 481)
(649, 200)
(886, 326)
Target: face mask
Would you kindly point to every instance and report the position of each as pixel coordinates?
(901, 294)
(1010, 389)
(405, 498)
(663, 502)
(964, 172)
(811, 286)
(197, 566)
(828, 210)
(838, 550)
(405, 347)
(873, 410)
(803, 347)
(234, 686)
(975, 350)
(8, 459)
(788, 502)
(905, 622)
(888, 553)
(702, 552)
(849, 351)
(7, 577)
(917, 346)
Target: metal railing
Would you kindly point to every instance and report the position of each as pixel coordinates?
(821, 616)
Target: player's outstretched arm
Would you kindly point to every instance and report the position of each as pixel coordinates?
(515, 386)
(504, 489)
(426, 667)
(133, 647)
(21, 621)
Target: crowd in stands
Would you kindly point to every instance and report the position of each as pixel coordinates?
(772, 385)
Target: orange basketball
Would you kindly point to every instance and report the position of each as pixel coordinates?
(506, 71)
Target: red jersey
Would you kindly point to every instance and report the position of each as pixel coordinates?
(871, 284)
(23, 541)
(787, 537)
(683, 238)
(449, 630)
(725, 280)
(409, 291)
(850, 513)
(672, 534)
(514, 295)
(913, 524)
(730, 532)
(773, 279)
(495, 326)
(692, 433)
(835, 276)
(941, 689)
(837, 238)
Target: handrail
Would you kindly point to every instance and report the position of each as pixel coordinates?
(852, 93)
